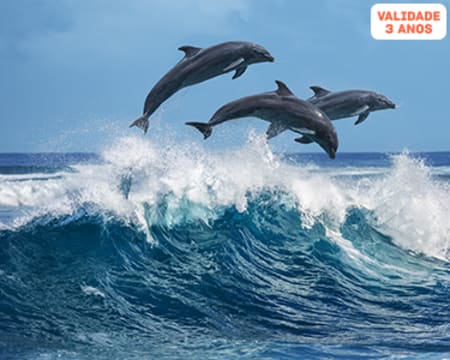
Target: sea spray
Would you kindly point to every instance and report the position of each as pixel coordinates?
(135, 179)
(411, 207)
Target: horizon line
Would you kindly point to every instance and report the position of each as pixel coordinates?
(290, 152)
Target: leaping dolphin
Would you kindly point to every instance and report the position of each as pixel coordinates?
(199, 65)
(284, 111)
(343, 104)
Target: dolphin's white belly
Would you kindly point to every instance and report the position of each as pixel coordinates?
(360, 110)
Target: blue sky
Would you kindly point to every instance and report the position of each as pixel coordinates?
(75, 74)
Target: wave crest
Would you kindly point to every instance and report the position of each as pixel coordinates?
(143, 183)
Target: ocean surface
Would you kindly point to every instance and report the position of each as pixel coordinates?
(150, 252)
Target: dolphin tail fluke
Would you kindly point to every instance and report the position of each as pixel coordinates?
(204, 128)
(141, 123)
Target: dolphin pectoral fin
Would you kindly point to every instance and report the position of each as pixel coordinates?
(319, 91)
(274, 129)
(141, 123)
(234, 64)
(363, 116)
(239, 72)
(304, 140)
(189, 50)
(204, 128)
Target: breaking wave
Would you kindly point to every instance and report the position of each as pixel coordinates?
(175, 250)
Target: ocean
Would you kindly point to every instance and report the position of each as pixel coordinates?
(175, 252)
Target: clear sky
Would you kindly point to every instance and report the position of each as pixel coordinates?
(74, 74)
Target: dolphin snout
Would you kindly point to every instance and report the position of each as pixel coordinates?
(390, 104)
(332, 153)
(268, 56)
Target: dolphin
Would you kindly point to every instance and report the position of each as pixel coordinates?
(343, 104)
(199, 65)
(284, 111)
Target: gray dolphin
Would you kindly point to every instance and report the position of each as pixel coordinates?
(199, 65)
(284, 111)
(343, 104)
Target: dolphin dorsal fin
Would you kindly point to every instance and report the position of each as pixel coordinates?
(283, 90)
(189, 50)
(319, 91)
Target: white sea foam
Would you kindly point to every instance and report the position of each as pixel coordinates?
(137, 176)
(411, 207)
(90, 290)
